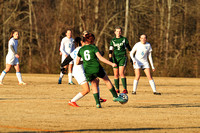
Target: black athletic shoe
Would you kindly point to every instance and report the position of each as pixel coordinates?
(133, 92)
(157, 93)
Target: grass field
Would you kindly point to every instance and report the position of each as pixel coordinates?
(41, 106)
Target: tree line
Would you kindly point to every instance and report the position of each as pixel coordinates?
(172, 27)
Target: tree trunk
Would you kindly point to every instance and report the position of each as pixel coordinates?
(169, 3)
(4, 36)
(31, 37)
(126, 18)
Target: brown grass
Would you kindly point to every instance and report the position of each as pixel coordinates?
(41, 105)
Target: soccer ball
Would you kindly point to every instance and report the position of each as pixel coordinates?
(124, 97)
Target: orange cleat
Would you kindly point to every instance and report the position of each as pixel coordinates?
(73, 104)
(102, 100)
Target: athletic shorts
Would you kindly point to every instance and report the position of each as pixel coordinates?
(63, 58)
(80, 77)
(141, 65)
(120, 61)
(100, 74)
(12, 60)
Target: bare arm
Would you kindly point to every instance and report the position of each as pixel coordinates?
(104, 60)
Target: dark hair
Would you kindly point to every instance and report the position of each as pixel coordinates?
(11, 34)
(144, 34)
(89, 38)
(77, 41)
(118, 27)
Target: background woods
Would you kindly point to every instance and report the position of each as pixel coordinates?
(172, 26)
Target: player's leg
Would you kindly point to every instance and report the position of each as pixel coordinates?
(81, 79)
(94, 85)
(4, 72)
(151, 81)
(18, 74)
(122, 66)
(70, 73)
(123, 78)
(116, 78)
(111, 89)
(136, 80)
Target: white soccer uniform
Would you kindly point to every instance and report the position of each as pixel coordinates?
(66, 47)
(78, 70)
(142, 52)
(10, 57)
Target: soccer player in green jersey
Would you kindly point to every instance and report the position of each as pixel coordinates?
(119, 45)
(91, 56)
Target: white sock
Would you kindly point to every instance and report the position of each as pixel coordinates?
(77, 97)
(70, 77)
(61, 75)
(19, 77)
(152, 84)
(135, 83)
(3, 74)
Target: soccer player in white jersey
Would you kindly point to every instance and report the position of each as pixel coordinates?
(66, 47)
(12, 58)
(142, 50)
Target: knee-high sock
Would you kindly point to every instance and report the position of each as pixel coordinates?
(114, 93)
(3, 74)
(152, 84)
(96, 97)
(77, 97)
(19, 77)
(70, 77)
(116, 83)
(135, 83)
(124, 83)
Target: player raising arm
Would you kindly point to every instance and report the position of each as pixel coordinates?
(90, 55)
(142, 51)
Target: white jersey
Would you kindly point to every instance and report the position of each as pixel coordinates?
(66, 47)
(10, 57)
(142, 51)
(78, 70)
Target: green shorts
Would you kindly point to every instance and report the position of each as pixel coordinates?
(101, 73)
(120, 61)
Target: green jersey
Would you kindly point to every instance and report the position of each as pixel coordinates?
(90, 61)
(120, 45)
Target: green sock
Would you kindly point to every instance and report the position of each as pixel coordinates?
(116, 83)
(114, 93)
(124, 83)
(96, 97)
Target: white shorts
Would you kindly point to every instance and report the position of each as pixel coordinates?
(12, 60)
(140, 65)
(80, 77)
(63, 58)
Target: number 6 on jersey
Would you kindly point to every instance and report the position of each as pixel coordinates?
(87, 55)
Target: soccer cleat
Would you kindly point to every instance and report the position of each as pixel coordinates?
(98, 105)
(59, 81)
(117, 90)
(22, 83)
(102, 100)
(71, 83)
(1, 83)
(73, 104)
(157, 93)
(125, 91)
(118, 99)
(133, 92)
